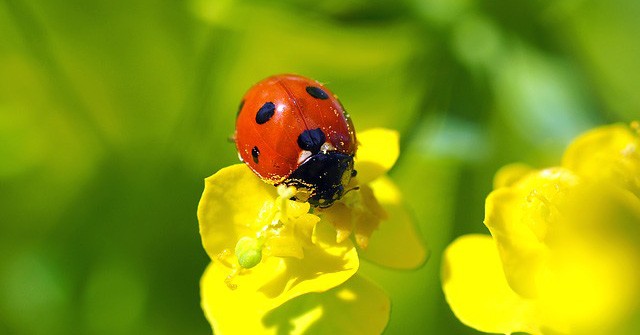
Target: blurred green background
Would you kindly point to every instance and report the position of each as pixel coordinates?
(112, 113)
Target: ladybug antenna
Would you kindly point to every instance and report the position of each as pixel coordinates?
(231, 139)
(355, 188)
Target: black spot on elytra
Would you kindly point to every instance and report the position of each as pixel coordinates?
(265, 112)
(255, 153)
(240, 107)
(311, 140)
(317, 92)
(354, 173)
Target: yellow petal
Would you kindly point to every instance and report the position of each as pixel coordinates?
(592, 280)
(609, 153)
(230, 206)
(304, 227)
(273, 282)
(367, 216)
(341, 217)
(284, 246)
(510, 174)
(355, 307)
(477, 291)
(291, 239)
(378, 150)
(295, 208)
(397, 243)
(521, 251)
(519, 218)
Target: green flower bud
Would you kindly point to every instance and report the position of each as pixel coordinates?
(249, 252)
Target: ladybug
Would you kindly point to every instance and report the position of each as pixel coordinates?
(292, 130)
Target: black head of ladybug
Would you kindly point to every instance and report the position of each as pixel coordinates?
(325, 174)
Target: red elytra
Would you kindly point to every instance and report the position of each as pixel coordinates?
(293, 130)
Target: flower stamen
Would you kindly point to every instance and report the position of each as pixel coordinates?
(229, 279)
(284, 194)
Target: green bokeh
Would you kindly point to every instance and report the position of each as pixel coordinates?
(112, 113)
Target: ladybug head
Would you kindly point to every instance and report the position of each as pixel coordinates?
(325, 175)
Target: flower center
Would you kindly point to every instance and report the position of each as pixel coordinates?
(286, 226)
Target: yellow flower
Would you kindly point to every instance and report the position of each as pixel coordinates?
(564, 252)
(610, 154)
(279, 265)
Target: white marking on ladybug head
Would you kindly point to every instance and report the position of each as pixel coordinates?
(326, 146)
(303, 156)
